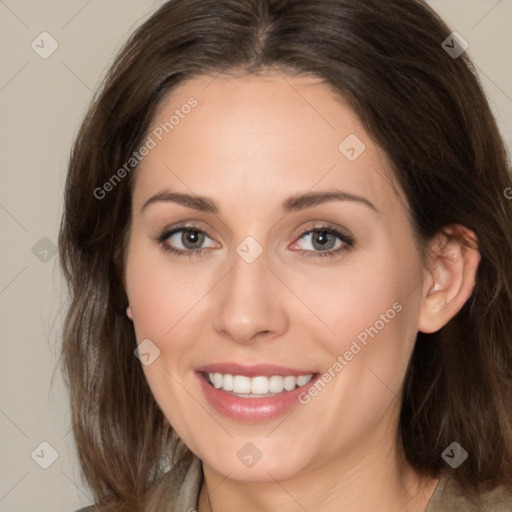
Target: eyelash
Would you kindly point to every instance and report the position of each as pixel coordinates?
(193, 253)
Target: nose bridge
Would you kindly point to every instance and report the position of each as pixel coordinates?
(248, 299)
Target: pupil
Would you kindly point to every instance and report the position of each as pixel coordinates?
(192, 238)
(323, 238)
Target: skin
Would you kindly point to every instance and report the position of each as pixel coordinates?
(252, 142)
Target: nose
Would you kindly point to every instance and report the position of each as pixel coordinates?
(249, 303)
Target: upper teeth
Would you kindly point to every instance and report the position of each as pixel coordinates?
(241, 384)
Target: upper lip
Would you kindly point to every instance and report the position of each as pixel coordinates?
(252, 370)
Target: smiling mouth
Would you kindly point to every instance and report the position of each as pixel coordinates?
(256, 387)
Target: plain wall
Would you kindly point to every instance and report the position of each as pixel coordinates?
(42, 102)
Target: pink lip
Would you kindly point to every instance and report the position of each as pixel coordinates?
(253, 370)
(252, 410)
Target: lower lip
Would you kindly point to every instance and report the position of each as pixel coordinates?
(252, 410)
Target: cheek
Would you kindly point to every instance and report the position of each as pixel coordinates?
(371, 311)
(357, 297)
(160, 293)
(162, 300)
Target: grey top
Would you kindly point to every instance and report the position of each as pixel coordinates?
(447, 496)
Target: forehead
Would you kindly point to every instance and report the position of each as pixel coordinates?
(261, 137)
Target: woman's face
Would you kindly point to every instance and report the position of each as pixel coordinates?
(288, 284)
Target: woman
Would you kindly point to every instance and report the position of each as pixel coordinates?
(287, 241)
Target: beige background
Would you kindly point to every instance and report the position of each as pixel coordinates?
(42, 102)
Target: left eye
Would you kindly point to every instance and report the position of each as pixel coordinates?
(325, 240)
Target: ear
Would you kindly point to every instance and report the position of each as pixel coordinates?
(118, 258)
(129, 312)
(450, 277)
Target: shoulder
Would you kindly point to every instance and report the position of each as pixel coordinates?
(178, 489)
(448, 497)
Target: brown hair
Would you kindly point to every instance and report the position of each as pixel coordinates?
(426, 110)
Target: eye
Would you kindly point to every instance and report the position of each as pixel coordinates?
(184, 241)
(325, 240)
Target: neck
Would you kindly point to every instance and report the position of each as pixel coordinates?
(377, 480)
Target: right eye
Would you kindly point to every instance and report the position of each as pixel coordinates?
(190, 238)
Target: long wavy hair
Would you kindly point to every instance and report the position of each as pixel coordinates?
(428, 112)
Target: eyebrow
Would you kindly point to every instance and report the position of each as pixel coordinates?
(292, 204)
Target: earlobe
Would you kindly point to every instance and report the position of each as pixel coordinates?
(129, 313)
(450, 280)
